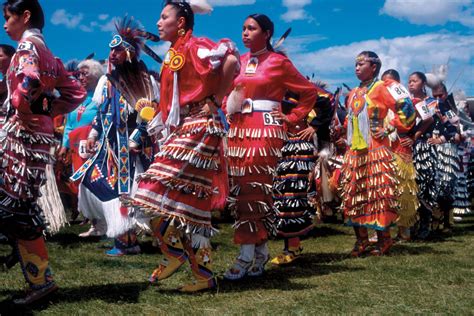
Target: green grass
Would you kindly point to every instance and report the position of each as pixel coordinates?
(432, 277)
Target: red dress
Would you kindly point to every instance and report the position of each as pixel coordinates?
(179, 183)
(370, 195)
(33, 75)
(40, 89)
(255, 139)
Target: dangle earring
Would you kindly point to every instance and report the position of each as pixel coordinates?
(129, 59)
(181, 32)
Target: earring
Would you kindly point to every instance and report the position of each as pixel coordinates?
(129, 59)
(181, 32)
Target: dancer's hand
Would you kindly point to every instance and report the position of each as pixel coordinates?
(406, 142)
(307, 133)
(435, 141)
(379, 134)
(62, 154)
(279, 116)
(91, 145)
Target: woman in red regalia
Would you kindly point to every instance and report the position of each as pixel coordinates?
(370, 197)
(26, 135)
(176, 190)
(255, 140)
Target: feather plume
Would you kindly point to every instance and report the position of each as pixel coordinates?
(131, 32)
(432, 80)
(134, 83)
(152, 54)
(282, 39)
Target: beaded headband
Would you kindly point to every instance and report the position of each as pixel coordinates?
(117, 40)
(374, 60)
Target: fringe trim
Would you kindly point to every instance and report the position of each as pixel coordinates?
(184, 225)
(179, 185)
(237, 171)
(195, 158)
(257, 133)
(242, 152)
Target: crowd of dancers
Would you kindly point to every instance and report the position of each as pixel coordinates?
(218, 131)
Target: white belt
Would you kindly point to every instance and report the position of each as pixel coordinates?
(249, 106)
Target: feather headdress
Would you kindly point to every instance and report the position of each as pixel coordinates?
(132, 36)
(437, 76)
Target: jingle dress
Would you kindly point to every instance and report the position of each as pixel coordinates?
(255, 140)
(181, 180)
(291, 182)
(370, 197)
(26, 139)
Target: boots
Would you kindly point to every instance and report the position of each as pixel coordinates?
(425, 222)
(33, 258)
(291, 252)
(172, 248)
(125, 244)
(240, 267)
(403, 234)
(384, 243)
(261, 258)
(201, 267)
(362, 241)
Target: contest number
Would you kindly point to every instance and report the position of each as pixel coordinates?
(269, 119)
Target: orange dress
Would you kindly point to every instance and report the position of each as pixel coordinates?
(370, 195)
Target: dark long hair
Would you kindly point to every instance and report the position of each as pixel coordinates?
(266, 25)
(18, 7)
(422, 77)
(393, 73)
(183, 9)
(7, 49)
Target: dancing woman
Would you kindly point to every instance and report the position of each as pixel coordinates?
(177, 189)
(255, 141)
(370, 198)
(26, 136)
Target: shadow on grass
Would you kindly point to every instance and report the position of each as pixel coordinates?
(326, 231)
(72, 240)
(282, 278)
(410, 249)
(110, 293)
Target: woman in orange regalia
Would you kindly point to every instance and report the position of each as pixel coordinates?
(370, 197)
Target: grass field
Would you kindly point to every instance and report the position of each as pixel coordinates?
(432, 277)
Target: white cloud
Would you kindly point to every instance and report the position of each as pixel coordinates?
(73, 21)
(109, 26)
(86, 28)
(224, 3)
(295, 10)
(431, 12)
(299, 44)
(405, 54)
(62, 17)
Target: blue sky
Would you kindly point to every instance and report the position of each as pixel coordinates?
(408, 35)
